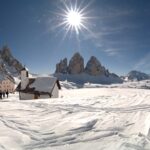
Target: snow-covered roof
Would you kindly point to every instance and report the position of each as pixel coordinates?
(42, 85)
(24, 69)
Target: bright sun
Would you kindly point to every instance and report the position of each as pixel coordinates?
(74, 18)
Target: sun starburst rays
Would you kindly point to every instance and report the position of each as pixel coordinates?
(73, 19)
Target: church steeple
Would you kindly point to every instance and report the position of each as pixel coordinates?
(24, 78)
(24, 73)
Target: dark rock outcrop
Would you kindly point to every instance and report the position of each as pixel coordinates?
(95, 68)
(94, 72)
(8, 64)
(62, 67)
(76, 64)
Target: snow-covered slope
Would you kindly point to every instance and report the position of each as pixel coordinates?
(144, 84)
(81, 119)
(84, 78)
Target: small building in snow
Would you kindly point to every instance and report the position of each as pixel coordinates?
(7, 83)
(37, 88)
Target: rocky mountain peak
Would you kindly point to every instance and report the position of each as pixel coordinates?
(61, 67)
(8, 64)
(94, 67)
(76, 55)
(137, 75)
(95, 60)
(6, 55)
(6, 52)
(94, 72)
(76, 64)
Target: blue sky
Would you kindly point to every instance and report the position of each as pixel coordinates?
(118, 33)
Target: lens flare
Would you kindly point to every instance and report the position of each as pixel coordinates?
(74, 18)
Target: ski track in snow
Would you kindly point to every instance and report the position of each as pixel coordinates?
(99, 118)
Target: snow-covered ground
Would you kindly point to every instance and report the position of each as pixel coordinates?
(145, 84)
(81, 119)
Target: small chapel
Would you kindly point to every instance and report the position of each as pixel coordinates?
(37, 87)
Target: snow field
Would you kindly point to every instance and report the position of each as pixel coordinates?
(83, 119)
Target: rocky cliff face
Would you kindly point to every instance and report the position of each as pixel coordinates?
(8, 64)
(94, 72)
(94, 67)
(62, 67)
(76, 64)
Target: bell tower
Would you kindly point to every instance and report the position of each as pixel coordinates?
(24, 78)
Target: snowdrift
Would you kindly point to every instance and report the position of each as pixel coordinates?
(81, 119)
(84, 78)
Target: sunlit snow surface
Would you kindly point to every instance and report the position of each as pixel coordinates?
(81, 119)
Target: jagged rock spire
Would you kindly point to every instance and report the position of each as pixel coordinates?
(76, 64)
(61, 67)
(94, 67)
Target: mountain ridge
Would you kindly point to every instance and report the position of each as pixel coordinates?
(9, 65)
(136, 75)
(93, 71)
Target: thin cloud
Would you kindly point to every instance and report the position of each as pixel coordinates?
(112, 52)
(106, 36)
(144, 64)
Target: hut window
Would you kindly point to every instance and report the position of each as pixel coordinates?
(27, 74)
(36, 96)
